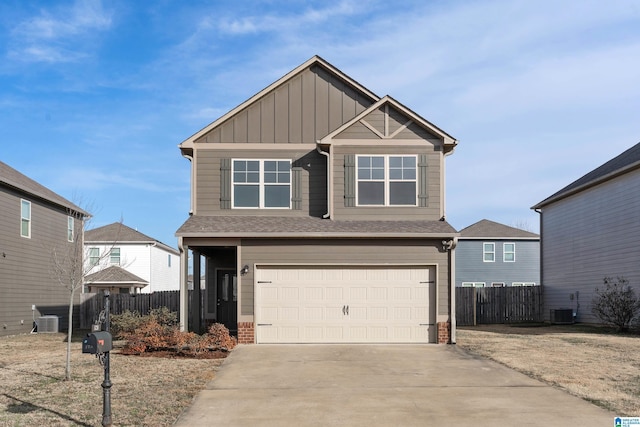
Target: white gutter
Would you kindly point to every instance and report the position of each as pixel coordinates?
(329, 188)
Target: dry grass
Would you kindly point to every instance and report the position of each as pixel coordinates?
(146, 391)
(588, 362)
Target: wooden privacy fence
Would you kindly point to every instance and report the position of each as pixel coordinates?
(498, 305)
(92, 304)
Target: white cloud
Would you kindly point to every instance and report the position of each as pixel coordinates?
(59, 35)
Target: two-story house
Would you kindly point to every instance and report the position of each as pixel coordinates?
(590, 230)
(36, 223)
(318, 208)
(490, 254)
(125, 260)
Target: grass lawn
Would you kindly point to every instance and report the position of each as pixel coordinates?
(146, 391)
(589, 362)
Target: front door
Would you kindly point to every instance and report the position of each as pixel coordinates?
(227, 303)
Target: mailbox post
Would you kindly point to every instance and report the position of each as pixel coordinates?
(100, 343)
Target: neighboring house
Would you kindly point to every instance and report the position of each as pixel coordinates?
(154, 265)
(590, 230)
(319, 210)
(490, 254)
(35, 223)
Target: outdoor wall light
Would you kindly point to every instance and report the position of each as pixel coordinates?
(244, 270)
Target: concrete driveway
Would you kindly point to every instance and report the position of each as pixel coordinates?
(379, 385)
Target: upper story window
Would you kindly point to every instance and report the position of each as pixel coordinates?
(114, 256)
(261, 184)
(509, 252)
(488, 252)
(168, 260)
(386, 180)
(25, 218)
(70, 229)
(94, 256)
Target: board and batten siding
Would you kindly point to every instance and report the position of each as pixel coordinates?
(311, 190)
(470, 266)
(432, 210)
(301, 110)
(25, 263)
(589, 236)
(342, 253)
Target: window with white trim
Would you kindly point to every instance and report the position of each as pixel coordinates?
(70, 229)
(497, 284)
(25, 218)
(509, 252)
(523, 284)
(114, 256)
(261, 184)
(473, 284)
(386, 180)
(94, 256)
(488, 252)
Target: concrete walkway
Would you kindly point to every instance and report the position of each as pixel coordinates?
(379, 385)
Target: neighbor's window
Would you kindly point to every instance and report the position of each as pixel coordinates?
(114, 256)
(25, 218)
(94, 256)
(473, 284)
(70, 228)
(261, 184)
(488, 252)
(497, 284)
(523, 284)
(168, 260)
(509, 252)
(386, 181)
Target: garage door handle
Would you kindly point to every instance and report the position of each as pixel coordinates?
(344, 310)
(347, 310)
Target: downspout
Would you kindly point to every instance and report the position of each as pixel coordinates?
(184, 271)
(452, 284)
(541, 261)
(329, 188)
(193, 196)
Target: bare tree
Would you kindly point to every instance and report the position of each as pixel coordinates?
(70, 266)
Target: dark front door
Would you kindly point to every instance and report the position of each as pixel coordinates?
(227, 294)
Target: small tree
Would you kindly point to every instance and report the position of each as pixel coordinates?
(70, 265)
(617, 304)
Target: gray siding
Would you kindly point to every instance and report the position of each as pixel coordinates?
(588, 236)
(25, 264)
(341, 252)
(429, 212)
(312, 190)
(471, 268)
(302, 110)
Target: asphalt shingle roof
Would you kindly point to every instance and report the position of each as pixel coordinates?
(619, 164)
(12, 178)
(114, 274)
(495, 230)
(267, 226)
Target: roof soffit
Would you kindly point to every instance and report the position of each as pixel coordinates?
(187, 145)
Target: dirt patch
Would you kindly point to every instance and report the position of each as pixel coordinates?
(146, 391)
(589, 362)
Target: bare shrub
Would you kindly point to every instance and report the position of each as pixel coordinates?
(617, 304)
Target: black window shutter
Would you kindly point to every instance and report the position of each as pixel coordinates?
(296, 188)
(225, 183)
(349, 180)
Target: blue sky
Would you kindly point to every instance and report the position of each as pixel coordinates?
(95, 96)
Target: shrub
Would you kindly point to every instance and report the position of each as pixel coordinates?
(127, 322)
(617, 304)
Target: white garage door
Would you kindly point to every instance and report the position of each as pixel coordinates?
(343, 305)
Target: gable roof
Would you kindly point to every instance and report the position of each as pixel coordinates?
(115, 276)
(120, 233)
(621, 164)
(16, 180)
(449, 141)
(315, 60)
(485, 229)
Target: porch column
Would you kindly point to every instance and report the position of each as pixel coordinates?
(196, 309)
(184, 287)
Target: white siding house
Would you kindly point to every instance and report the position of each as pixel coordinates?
(145, 257)
(591, 230)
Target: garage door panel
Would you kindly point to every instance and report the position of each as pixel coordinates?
(333, 305)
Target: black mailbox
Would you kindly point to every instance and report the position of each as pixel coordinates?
(97, 343)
